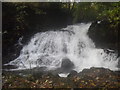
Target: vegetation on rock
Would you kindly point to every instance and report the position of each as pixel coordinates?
(88, 78)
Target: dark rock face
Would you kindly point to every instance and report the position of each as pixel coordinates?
(96, 72)
(88, 78)
(66, 65)
(9, 67)
(103, 36)
(72, 73)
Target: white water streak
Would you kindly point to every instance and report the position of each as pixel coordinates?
(50, 47)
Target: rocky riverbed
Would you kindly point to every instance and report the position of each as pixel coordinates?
(88, 78)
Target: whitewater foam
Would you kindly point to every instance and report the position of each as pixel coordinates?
(50, 47)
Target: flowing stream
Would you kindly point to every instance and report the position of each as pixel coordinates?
(50, 48)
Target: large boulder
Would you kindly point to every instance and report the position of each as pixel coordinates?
(66, 65)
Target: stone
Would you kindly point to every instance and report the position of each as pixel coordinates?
(72, 73)
(67, 65)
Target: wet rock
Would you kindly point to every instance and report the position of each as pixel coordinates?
(96, 72)
(118, 63)
(55, 72)
(87, 79)
(66, 65)
(72, 73)
(9, 67)
(39, 69)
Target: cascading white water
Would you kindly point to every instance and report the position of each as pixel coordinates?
(50, 47)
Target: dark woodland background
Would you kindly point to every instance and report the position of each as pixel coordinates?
(26, 19)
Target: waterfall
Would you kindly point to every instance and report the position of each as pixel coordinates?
(48, 49)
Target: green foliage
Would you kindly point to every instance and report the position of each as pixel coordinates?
(111, 14)
(80, 12)
(97, 11)
(84, 12)
(21, 17)
(108, 13)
